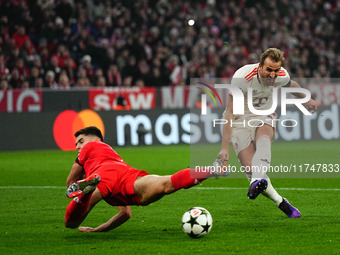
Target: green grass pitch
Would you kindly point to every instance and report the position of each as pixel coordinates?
(33, 203)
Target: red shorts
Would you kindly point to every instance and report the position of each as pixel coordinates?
(117, 182)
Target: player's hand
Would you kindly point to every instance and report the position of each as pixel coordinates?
(223, 155)
(312, 105)
(219, 162)
(220, 165)
(86, 229)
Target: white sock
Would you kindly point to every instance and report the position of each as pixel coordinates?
(262, 157)
(271, 193)
(261, 161)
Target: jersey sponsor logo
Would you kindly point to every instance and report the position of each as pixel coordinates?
(68, 122)
(259, 101)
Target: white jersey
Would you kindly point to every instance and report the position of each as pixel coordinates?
(248, 77)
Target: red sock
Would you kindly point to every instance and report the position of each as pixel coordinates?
(77, 207)
(183, 180)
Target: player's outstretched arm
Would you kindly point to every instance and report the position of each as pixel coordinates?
(311, 104)
(226, 131)
(121, 217)
(77, 173)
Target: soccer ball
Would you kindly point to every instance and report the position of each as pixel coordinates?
(196, 222)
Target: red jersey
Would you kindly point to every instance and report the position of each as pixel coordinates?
(96, 154)
(117, 177)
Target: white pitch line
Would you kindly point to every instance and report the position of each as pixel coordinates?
(32, 187)
(203, 188)
(239, 188)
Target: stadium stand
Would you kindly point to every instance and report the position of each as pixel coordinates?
(77, 43)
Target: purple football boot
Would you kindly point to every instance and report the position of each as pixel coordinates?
(256, 188)
(288, 209)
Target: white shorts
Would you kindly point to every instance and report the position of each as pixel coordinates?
(243, 134)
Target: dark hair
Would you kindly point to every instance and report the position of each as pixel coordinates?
(90, 131)
(274, 54)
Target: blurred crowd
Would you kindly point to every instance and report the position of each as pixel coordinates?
(60, 44)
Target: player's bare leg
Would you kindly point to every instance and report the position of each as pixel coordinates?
(245, 156)
(80, 207)
(150, 188)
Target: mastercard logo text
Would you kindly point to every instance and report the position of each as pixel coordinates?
(68, 122)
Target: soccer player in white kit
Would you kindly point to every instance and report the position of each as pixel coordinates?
(252, 140)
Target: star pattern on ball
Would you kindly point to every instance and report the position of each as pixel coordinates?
(192, 235)
(192, 221)
(206, 227)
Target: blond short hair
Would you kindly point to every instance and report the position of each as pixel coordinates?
(274, 54)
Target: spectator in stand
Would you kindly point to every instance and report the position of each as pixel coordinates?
(87, 66)
(154, 78)
(70, 68)
(4, 85)
(45, 58)
(122, 59)
(151, 33)
(143, 69)
(38, 65)
(25, 85)
(50, 80)
(12, 56)
(110, 58)
(20, 36)
(54, 66)
(98, 73)
(34, 76)
(96, 9)
(127, 82)
(113, 76)
(64, 9)
(82, 75)
(83, 83)
(65, 37)
(61, 55)
(15, 81)
(4, 30)
(64, 82)
(178, 72)
(24, 72)
(140, 83)
(101, 82)
(336, 72)
(4, 71)
(28, 52)
(83, 26)
(45, 4)
(131, 69)
(39, 83)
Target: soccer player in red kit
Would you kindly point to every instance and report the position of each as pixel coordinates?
(109, 178)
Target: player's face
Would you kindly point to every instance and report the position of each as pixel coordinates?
(81, 140)
(269, 71)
